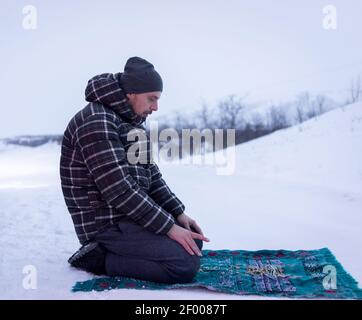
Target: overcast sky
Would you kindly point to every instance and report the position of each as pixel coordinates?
(204, 51)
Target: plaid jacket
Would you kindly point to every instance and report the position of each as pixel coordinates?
(99, 184)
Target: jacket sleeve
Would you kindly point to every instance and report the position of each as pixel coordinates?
(162, 194)
(105, 157)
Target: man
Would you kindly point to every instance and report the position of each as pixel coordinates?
(126, 217)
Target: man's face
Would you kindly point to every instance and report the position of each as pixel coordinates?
(144, 103)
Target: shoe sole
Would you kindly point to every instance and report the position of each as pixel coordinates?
(88, 248)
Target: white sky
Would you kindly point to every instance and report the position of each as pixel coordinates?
(204, 51)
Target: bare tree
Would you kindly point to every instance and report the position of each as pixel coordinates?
(302, 106)
(355, 90)
(258, 124)
(311, 112)
(300, 114)
(277, 118)
(205, 118)
(182, 122)
(230, 112)
(320, 103)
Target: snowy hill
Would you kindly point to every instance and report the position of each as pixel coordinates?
(325, 151)
(298, 188)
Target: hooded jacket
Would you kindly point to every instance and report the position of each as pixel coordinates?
(98, 182)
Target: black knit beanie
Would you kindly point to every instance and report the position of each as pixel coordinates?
(140, 76)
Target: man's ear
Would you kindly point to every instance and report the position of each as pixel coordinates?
(130, 96)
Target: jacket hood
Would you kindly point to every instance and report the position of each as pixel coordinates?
(106, 89)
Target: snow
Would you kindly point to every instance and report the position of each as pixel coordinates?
(298, 188)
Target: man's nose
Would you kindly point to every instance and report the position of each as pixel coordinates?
(154, 107)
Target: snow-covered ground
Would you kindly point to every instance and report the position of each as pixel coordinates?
(299, 188)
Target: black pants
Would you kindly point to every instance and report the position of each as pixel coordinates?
(133, 251)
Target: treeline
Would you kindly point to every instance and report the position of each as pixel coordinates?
(234, 113)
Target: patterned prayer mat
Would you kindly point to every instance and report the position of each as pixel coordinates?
(293, 274)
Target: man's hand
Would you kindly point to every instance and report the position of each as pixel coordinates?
(187, 223)
(186, 239)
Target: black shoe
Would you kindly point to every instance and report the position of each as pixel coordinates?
(90, 257)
